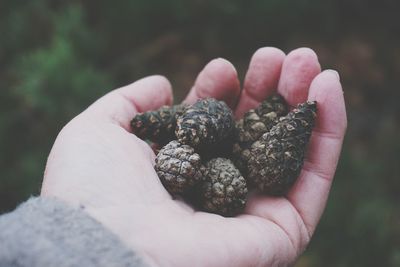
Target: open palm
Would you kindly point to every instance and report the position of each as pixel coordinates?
(98, 165)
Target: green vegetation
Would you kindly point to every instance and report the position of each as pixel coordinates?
(56, 57)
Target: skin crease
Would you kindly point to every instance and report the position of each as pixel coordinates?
(97, 164)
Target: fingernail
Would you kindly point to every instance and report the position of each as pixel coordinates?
(335, 73)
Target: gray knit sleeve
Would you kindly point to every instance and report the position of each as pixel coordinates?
(47, 232)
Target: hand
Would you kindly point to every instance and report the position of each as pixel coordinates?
(97, 164)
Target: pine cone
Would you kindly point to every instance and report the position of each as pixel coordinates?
(157, 125)
(225, 189)
(178, 167)
(253, 125)
(204, 124)
(276, 159)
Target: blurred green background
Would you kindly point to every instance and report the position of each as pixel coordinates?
(57, 57)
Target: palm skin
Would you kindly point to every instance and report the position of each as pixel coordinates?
(98, 165)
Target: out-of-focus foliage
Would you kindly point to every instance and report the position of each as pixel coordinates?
(56, 57)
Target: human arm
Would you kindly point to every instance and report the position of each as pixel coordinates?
(44, 231)
(96, 163)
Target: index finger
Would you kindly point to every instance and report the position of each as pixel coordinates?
(219, 80)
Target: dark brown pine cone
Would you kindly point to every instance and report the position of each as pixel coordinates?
(276, 159)
(157, 126)
(205, 124)
(224, 191)
(253, 125)
(178, 167)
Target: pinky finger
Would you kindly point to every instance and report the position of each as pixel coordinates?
(310, 193)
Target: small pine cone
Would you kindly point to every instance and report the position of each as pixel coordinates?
(276, 159)
(254, 124)
(158, 125)
(225, 189)
(204, 124)
(178, 167)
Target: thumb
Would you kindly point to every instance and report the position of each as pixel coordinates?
(120, 105)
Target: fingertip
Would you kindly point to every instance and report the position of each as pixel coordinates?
(264, 71)
(333, 72)
(270, 53)
(163, 82)
(219, 80)
(261, 78)
(221, 66)
(149, 93)
(327, 90)
(306, 61)
(299, 69)
(165, 88)
(303, 54)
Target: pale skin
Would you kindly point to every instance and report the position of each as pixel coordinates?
(97, 164)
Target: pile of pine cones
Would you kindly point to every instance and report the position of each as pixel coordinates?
(211, 160)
